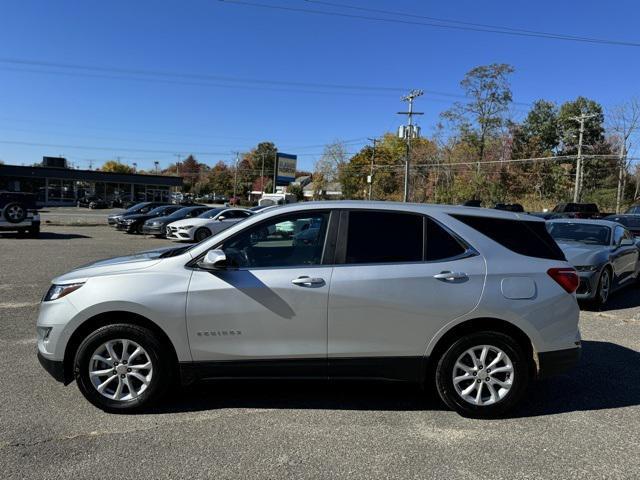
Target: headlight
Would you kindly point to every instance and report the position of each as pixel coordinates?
(59, 291)
(587, 268)
(185, 227)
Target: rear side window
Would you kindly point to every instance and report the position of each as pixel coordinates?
(520, 236)
(441, 244)
(384, 237)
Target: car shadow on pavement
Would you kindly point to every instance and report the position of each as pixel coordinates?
(605, 378)
(626, 298)
(44, 236)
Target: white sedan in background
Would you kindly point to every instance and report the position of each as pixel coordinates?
(209, 223)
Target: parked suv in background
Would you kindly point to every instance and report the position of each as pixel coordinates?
(474, 301)
(18, 213)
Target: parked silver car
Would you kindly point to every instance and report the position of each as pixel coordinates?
(476, 302)
(604, 253)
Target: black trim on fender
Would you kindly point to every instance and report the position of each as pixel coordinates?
(54, 367)
(559, 361)
(402, 369)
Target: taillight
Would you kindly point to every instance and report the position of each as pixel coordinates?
(567, 278)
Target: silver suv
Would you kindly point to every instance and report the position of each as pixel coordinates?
(476, 302)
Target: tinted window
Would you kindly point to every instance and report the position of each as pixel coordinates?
(579, 232)
(384, 237)
(284, 241)
(210, 213)
(618, 235)
(520, 236)
(441, 244)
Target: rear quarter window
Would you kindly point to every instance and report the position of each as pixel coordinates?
(529, 238)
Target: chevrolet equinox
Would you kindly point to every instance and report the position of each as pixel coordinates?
(472, 301)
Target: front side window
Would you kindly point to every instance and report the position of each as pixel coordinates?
(384, 237)
(618, 235)
(286, 241)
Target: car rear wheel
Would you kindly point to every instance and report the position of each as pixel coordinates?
(122, 368)
(201, 234)
(483, 375)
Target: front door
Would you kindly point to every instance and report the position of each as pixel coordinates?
(394, 291)
(268, 310)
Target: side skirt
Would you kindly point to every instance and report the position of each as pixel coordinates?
(402, 369)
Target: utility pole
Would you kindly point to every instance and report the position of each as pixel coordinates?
(178, 156)
(262, 176)
(373, 156)
(621, 163)
(408, 132)
(135, 167)
(156, 163)
(235, 178)
(577, 189)
(275, 169)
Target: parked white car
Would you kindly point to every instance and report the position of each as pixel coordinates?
(209, 223)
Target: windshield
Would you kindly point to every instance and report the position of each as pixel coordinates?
(135, 208)
(211, 213)
(159, 210)
(180, 213)
(580, 232)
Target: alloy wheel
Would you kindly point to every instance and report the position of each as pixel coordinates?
(605, 286)
(483, 375)
(120, 369)
(14, 212)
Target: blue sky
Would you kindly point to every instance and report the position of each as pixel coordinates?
(142, 118)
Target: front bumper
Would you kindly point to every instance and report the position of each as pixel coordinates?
(54, 367)
(588, 285)
(558, 361)
(124, 227)
(153, 230)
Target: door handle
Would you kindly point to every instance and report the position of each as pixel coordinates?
(451, 276)
(305, 281)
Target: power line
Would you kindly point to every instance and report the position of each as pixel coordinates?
(503, 31)
(459, 22)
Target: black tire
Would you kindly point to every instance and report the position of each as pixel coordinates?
(201, 234)
(602, 295)
(139, 229)
(161, 377)
(446, 367)
(34, 232)
(14, 212)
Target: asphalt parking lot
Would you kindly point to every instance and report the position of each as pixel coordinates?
(585, 424)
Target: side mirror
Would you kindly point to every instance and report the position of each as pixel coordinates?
(214, 260)
(221, 217)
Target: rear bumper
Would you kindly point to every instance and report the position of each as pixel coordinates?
(558, 361)
(54, 367)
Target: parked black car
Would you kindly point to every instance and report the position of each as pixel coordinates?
(133, 223)
(158, 226)
(143, 207)
(510, 207)
(632, 222)
(91, 201)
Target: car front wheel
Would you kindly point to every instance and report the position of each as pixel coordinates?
(122, 368)
(483, 375)
(201, 234)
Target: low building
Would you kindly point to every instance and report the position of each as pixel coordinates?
(332, 191)
(58, 185)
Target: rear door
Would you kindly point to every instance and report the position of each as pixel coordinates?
(399, 277)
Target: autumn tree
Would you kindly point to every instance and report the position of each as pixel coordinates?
(116, 167)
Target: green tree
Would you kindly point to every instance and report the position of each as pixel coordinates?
(489, 96)
(297, 191)
(220, 179)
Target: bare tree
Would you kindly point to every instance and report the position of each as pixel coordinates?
(327, 168)
(624, 119)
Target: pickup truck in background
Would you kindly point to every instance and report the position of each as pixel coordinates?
(18, 213)
(573, 210)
